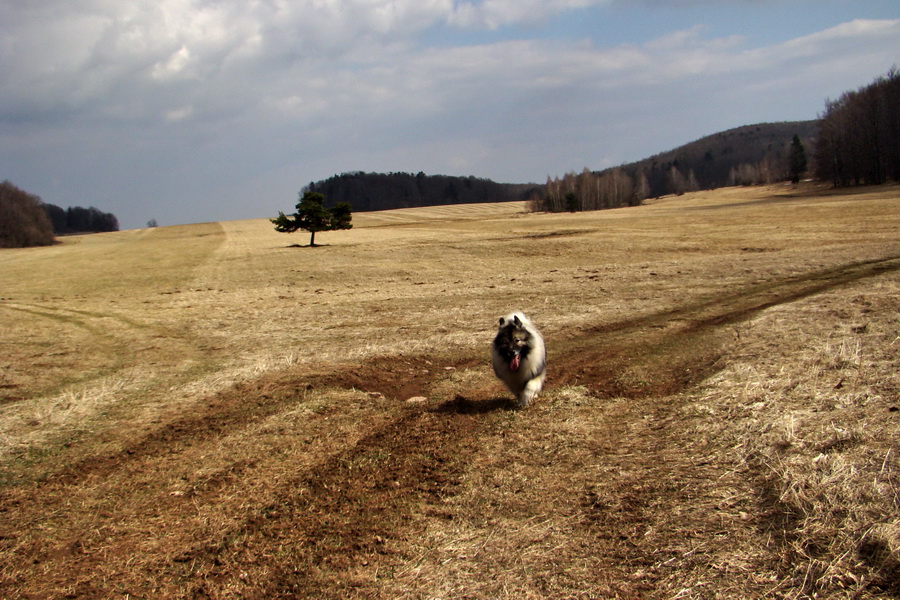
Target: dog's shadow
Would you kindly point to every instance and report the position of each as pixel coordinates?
(462, 405)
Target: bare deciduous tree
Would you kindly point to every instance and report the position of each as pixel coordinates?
(859, 135)
(23, 221)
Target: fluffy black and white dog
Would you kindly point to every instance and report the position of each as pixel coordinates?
(519, 357)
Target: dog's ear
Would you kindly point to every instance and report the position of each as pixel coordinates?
(517, 321)
(502, 321)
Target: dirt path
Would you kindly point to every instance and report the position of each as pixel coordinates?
(331, 484)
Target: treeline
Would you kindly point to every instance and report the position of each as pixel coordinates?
(382, 191)
(752, 154)
(859, 135)
(771, 171)
(746, 155)
(23, 221)
(763, 172)
(590, 191)
(27, 221)
(76, 219)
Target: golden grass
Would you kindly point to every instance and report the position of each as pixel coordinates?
(205, 411)
(820, 433)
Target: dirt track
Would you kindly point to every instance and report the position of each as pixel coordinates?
(604, 493)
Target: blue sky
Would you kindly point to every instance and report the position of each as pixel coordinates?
(190, 110)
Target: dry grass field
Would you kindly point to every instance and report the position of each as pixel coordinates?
(204, 411)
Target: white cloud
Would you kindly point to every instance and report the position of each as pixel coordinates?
(171, 68)
(179, 114)
(835, 39)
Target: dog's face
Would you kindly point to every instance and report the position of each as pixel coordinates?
(512, 341)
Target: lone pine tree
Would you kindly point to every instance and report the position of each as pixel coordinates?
(313, 216)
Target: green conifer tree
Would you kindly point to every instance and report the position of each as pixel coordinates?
(798, 159)
(313, 216)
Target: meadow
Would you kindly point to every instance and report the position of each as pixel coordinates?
(208, 411)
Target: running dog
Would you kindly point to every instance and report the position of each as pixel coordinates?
(519, 358)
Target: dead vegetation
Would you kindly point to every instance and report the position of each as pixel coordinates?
(250, 421)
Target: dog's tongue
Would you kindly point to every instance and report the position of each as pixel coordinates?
(514, 363)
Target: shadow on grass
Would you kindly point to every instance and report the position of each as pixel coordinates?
(465, 406)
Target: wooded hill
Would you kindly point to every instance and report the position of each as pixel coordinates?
(753, 154)
(382, 191)
(741, 156)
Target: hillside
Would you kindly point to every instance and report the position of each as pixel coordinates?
(712, 158)
(207, 412)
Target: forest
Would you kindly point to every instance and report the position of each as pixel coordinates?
(27, 221)
(380, 191)
(748, 155)
(859, 135)
(76, 219)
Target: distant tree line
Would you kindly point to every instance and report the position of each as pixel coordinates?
(749, 155)
(590, 191)
(772, 169)
(27, 221)
(859, 135)
(381, 191)
(76, 219)
(23, 221)
(763, 172)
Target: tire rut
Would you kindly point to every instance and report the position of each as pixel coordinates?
(666, 352)
(359, 511)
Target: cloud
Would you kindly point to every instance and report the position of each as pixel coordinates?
(845, 36)
(197, 102)
(493, 14)
(74, 56)
(148, 61)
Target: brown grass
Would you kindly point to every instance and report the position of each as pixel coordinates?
(205, 412)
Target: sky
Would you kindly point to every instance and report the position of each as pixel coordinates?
(186, 111)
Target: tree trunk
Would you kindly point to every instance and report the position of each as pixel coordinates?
(312, 239)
